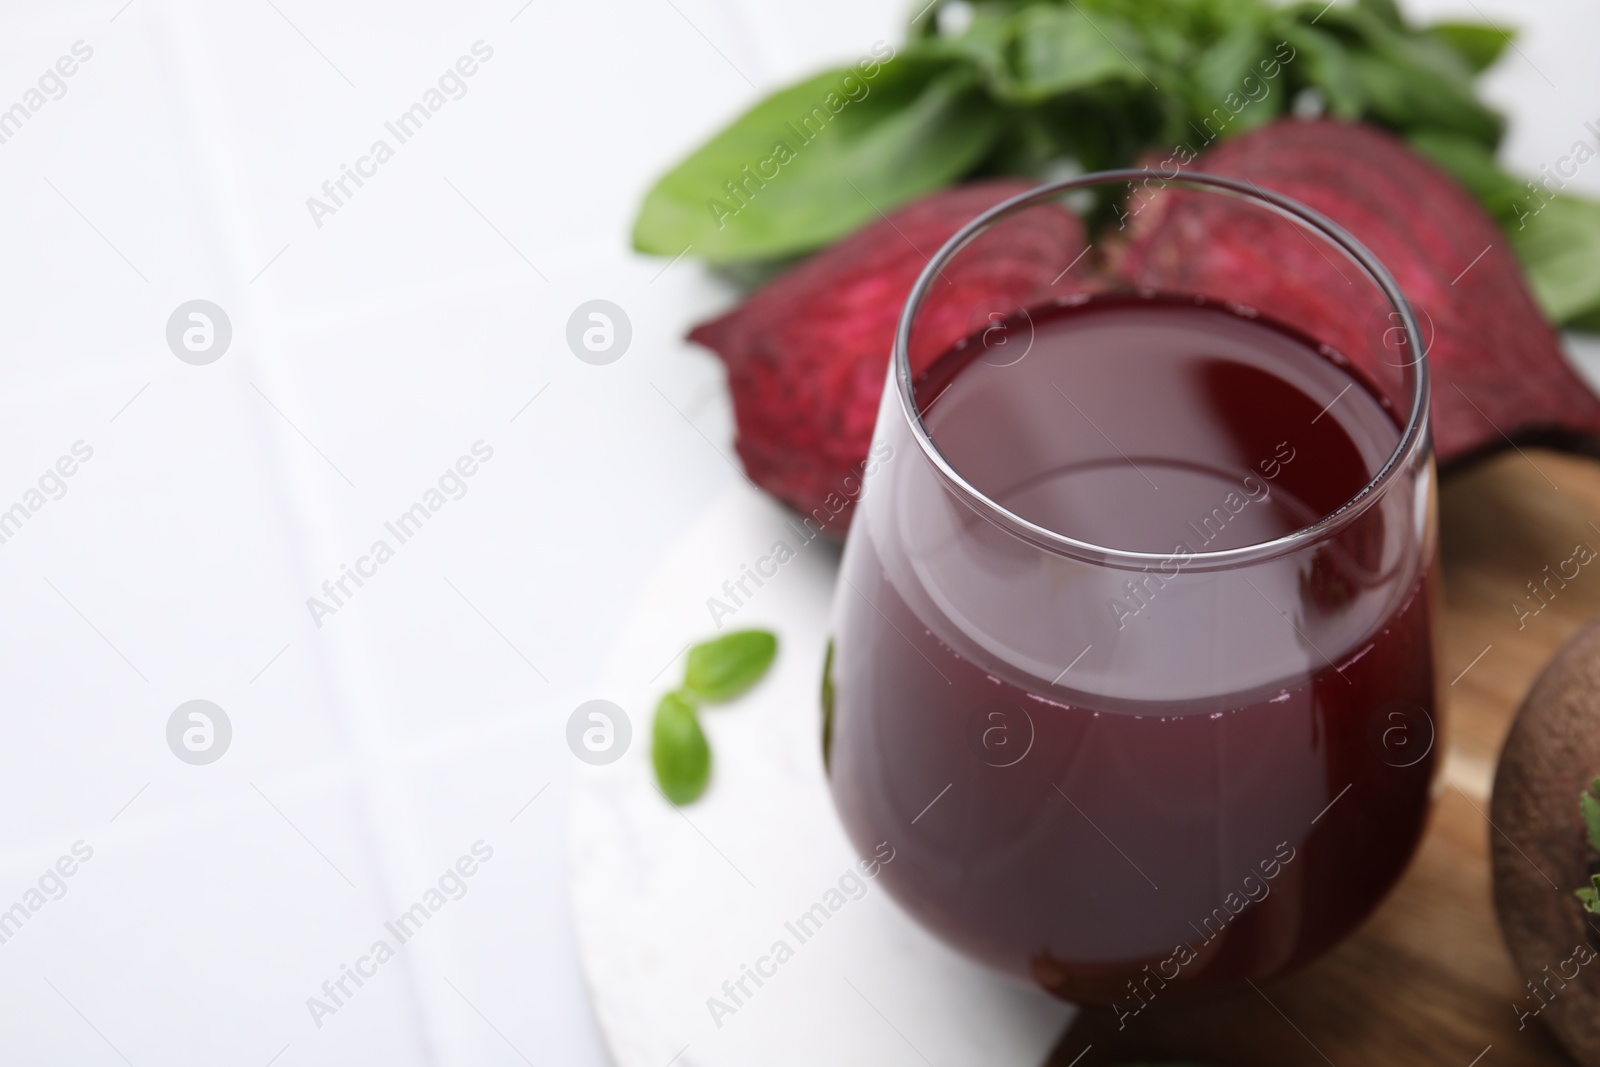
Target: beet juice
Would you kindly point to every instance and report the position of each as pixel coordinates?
(1138, 777)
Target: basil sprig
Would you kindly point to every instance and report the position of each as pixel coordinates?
(722, 669)
(1023, 85)
(717, 671)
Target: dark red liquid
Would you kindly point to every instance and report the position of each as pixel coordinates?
(1215, 780)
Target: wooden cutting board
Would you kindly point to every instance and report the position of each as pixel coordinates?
(1428, 979)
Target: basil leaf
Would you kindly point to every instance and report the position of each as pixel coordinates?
(1061, 49)
(1323, 63)
(1590, 805)
(1228, 76)
(1559, 245)
(815, 161)
(679, 751)
(1406, 90)
(1583, 321)
(1105, 127)
(722, 669)
(827, 707)
(1220, 68)
(1411, 80)
(1479, 45)
(985, 44)
(1179, 28)
(1385, 11)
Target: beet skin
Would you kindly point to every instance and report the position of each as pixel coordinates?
(807, 355)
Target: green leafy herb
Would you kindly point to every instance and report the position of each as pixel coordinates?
(1061, 50)
(1478, 45)
(827, 708)
(1026, 84)
(1558, 241)
(1590, 895)
(679, 750)
(722, 669)
(717, 671)
(1386, 11)
(1589, 805)
(1327, 67)
(1410, 85)
(816, 160)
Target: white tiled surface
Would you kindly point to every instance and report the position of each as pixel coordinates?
(369, 355)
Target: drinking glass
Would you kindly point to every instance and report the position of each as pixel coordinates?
(1126, 758)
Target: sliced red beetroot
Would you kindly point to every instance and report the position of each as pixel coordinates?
(807, 354)
(1498, 370)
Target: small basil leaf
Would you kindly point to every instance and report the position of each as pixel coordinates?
(722, 669)
(815, 161)
(1384, 11)
(1107, 126)
(985, 44)
(827, 707)
(1411, 80)
(1590, 805)
(1221, 68)
(1558, 242)
(679, 751)
(1231, 90)
(1477, 44)
(1590, 895)
(1323, 63)
(1062, 49)
(1407, 90)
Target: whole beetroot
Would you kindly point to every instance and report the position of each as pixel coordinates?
(1498, 370)
(807, 355)
(1540, 853)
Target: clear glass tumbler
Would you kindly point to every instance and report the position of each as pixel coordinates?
(1132, 660)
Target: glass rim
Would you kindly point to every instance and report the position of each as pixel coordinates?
(1413, 438)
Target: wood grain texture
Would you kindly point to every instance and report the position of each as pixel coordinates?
(1428, 979)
